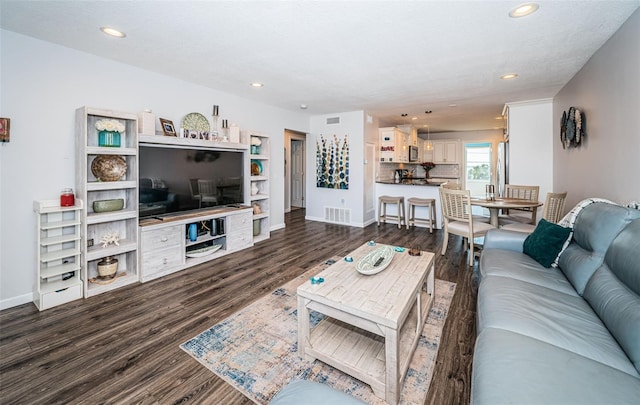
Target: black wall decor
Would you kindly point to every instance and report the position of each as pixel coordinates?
(573, 126)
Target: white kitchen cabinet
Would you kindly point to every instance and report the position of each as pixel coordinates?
(394, 145)
(445, 152)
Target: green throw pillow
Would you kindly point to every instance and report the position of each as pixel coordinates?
(546, 241)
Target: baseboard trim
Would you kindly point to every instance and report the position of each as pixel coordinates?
(15, 301)
(318, 219)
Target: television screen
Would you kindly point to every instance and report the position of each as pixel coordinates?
(174, 180)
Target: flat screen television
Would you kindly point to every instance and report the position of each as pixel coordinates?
(176, 180)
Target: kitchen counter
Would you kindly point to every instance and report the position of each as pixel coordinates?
(410, 188)
(412, 182)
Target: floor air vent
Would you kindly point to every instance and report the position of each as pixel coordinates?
(337, 215)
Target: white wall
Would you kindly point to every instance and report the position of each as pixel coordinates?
(351, 124)
(607, 89)
(41, 86)
(530, 145)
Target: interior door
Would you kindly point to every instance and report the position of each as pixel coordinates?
(297, 173)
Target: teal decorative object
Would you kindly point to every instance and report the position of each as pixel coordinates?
(109, 131)
(109, 139)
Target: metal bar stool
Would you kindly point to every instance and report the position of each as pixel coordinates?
(382, 209)
(430, 203)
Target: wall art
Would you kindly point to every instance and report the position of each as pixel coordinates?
(572, 128)
(5, 127)
(332, 163)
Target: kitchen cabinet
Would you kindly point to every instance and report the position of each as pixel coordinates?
(445, 152)
(394, 145)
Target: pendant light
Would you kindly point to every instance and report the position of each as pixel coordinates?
(428, 145)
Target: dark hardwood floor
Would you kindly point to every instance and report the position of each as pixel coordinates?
(122, 346)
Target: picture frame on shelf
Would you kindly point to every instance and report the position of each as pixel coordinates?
(167, 127)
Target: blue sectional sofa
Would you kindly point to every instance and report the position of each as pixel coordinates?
(561, 335)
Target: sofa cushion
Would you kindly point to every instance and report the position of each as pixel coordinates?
(546, 241)
(595, 228)
(614, 291)
(509, 368)
(559, 319)
(508, 263)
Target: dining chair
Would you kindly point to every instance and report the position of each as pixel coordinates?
(520, 215)
(456, 211)
(451, 185)
(552, 212)
(207, 191)
(193, 188)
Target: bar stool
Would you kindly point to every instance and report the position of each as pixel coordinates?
(430, 203)
(382, 209)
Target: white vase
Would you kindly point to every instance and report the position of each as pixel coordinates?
(254, 189)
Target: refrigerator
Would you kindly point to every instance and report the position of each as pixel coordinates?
(502, 169)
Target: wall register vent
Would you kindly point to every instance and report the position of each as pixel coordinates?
(333, 120)
(337, 215)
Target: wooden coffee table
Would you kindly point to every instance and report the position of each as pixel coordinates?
(372, 323)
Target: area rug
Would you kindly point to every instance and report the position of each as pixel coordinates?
(255, 349)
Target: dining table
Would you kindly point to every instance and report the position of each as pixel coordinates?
(497, 204)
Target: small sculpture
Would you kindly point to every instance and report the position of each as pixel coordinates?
(109, 238)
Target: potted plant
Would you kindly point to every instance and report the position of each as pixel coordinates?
(427, 166)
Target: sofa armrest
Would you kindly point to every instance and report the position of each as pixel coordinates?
(503, 239)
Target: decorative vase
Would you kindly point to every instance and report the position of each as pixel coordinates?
(255, 149)
(109, 139)
(193, 232)
(256, 228)
(254, 189)
(108, 267)
(109, 167)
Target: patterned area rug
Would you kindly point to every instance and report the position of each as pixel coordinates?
(255, 349)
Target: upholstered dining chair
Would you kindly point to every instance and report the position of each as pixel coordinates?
(207, 191)
(456, 211)
(552, 212)
(524, 215)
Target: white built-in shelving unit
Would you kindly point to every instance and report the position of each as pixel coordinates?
(89, 188)
(261, 180)
(58, 253)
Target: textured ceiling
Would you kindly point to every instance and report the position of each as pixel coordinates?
(385, 57)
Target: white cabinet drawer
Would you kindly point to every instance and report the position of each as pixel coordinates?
(161, 261)
(54, 298)
(161, 238)
(239, 231)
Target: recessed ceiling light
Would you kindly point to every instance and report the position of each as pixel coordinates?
(523, 10)
(453, 105)
(113, 32)
(414, 118)
(509, 76)
(257, 84)
(499, 118)
(303, 106)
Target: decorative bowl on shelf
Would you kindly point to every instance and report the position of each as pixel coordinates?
(256, 168)
(109, 167)
(115, 204)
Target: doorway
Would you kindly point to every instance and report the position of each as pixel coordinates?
(295, 176)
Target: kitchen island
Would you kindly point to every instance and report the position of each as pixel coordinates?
(407, 188)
